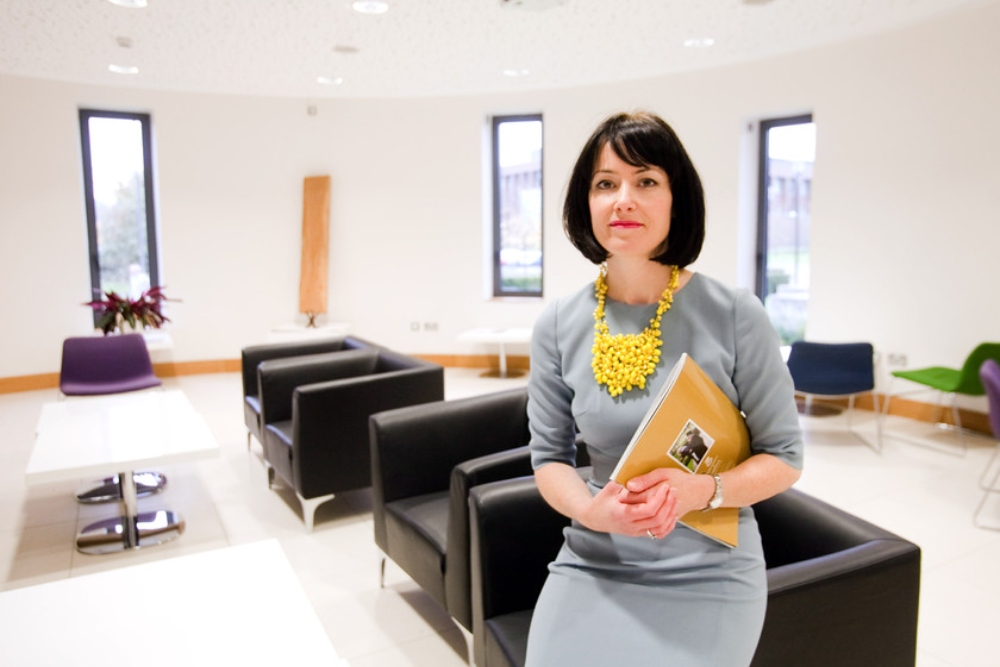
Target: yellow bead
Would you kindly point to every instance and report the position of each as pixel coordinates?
(622, 361)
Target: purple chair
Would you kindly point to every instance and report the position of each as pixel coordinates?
(96, 365)
(989, 373)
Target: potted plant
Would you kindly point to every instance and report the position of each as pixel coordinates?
(116, 312)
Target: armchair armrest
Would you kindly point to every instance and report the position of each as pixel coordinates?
(252, 356)
(498, 466)
(514, 462)
(435, 438)
(510, 555)
(832, 577)
(339, 410)
(278, 378)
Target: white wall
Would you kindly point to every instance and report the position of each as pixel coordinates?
(904, 210)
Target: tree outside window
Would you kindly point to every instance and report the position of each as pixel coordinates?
(118, 190)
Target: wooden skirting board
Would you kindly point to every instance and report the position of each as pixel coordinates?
(901, 407)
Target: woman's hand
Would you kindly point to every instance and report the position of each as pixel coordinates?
(647, 508)
(692, 491)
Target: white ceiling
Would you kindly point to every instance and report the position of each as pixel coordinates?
(419, 47)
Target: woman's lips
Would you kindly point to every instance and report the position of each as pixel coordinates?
(625, 224)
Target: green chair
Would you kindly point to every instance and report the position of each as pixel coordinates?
(951, 381)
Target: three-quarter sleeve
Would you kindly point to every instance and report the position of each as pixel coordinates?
(550, 399)
(763, 383)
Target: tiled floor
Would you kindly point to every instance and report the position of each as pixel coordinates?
(925, 493)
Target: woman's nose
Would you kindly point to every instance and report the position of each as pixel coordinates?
(624, 202)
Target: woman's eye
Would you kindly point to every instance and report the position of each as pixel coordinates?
(603, 185)
(648, 182)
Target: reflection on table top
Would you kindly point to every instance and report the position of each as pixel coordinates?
(83, 436)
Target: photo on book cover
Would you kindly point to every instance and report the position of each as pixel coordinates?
(691, 446)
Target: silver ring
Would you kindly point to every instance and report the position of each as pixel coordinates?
(650, 533)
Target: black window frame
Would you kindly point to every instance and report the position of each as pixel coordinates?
(145, 121)
(760, 259)
(495, 123)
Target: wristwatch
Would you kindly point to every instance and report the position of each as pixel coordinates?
(716, 500)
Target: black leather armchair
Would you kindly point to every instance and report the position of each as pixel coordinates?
(251, 357)
(424, 460)
(315, 409)
(841, 591)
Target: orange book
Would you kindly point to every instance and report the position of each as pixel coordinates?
(693, 426)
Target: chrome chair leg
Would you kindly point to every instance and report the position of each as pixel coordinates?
(988, 491)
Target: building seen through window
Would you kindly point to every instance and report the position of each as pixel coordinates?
(788, 150)
(517, 205)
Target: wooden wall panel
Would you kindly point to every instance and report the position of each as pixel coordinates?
(315, 246)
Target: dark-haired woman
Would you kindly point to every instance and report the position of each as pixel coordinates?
(630, 582)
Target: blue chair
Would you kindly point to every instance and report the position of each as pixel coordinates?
(989, 373)
(834, 371)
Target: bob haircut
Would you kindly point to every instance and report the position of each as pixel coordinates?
(640, 139)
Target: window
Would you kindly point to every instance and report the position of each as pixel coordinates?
(517, 205)
(787, 154)
(118, 189)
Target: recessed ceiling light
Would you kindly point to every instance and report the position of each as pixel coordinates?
(131, 4)
(330, 80)
(516, 71)
(699, 42)
(123, 69)
(370, 7)
(536, 5)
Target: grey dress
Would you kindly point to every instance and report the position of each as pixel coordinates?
(685, 600)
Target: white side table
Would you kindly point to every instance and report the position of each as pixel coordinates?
(499, 337)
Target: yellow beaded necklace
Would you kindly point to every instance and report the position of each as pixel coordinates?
(624, 361)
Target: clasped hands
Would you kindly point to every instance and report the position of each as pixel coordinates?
(649, 505)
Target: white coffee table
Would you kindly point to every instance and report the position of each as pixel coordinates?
(241, 605)
(106, 435)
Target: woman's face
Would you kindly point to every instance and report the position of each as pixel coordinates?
(629, 206)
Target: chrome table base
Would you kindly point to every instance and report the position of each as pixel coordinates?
(130, 530)
(106, 490)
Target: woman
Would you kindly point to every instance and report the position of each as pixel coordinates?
(630, 581)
